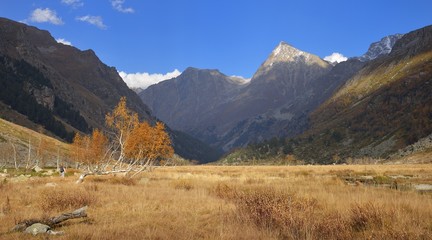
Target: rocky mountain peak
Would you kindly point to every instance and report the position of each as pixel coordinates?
(286, 53)
(383, 47)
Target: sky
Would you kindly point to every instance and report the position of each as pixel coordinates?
(148, 41)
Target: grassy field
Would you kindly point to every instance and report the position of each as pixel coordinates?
(217, 202)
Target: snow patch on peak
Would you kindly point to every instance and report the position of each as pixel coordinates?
(383, 47)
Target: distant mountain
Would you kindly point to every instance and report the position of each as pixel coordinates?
(228, 114)
(384, 110)
(61, 89)
(188, 101)
(380, 48)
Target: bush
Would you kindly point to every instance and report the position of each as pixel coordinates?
(366, 216)
(294, 217)
(183, 184)
(65, 199)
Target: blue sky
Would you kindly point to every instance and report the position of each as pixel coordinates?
(159, 36)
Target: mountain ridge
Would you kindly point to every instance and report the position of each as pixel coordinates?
(232, 116)
(77, 79)
(382, 111)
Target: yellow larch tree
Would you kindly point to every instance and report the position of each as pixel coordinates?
(147, 145)
(121, 121)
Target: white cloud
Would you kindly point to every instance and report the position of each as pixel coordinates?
(336, 58)
(63, 41)
(94, 20)
(118, 5)
(144, 80)
(45, 15)
(73, 3)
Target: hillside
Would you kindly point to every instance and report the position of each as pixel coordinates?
(77, 77)
(384, 107)
(16, 142)
(59, 89)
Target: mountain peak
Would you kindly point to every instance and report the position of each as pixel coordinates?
(382, 47)
(286, 53)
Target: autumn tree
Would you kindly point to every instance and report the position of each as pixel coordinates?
(132, 146)
(121, 121)
(147, 145)
(91, 151)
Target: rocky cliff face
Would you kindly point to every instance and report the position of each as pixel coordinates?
(44, 96)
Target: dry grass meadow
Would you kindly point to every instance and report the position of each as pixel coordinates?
(218, 202)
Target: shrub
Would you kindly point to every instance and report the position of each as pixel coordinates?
(365, 216)
(223, 190)
(123, 181)
(291, 214)
(183, 184)
(59, 199)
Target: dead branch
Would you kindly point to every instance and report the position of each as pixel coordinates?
(79, 213)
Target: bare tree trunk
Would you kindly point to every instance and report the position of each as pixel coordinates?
(15, 155)
(58, 158)
(82, 176)
(79, 213)
(29, 155)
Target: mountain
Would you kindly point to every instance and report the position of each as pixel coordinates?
(186, 102)
(77, 77)
(60, 89)
(384, 110)
(380, 48)
(228, 114)
(384, 107)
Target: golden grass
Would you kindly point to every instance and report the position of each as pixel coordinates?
(217, 202)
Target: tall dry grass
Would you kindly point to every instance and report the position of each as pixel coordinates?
(214, 202)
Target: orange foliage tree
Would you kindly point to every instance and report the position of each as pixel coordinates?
(147, 145)
(91, 151)
(134, 145)
(121, 121)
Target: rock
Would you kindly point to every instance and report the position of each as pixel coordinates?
(48, 173)
(20, 178)
(50, 184)
(51, 232)
(5, 170)
(37, 169)
(423, 187)
(37, 228)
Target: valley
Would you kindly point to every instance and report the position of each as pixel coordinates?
(214, 202)
(307, 148)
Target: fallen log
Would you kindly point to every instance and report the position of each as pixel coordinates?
(79, 213)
